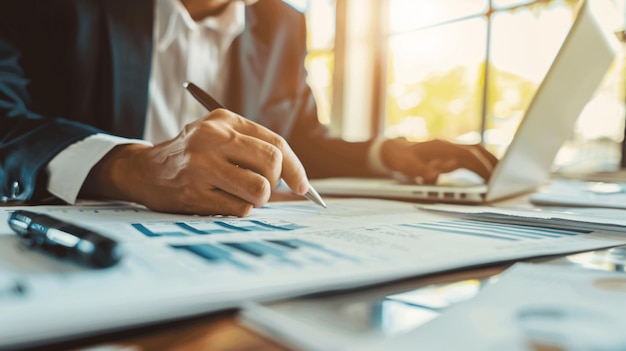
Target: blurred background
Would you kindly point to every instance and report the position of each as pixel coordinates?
(460, 70)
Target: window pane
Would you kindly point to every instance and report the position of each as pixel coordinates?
(434, 88)
(524, 44)
(300, 5)
(320, 68)
(320, 20)
(320, 17)
(405, 15)
(521, 59)
(498, 4)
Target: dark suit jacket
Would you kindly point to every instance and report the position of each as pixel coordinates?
(71, 68)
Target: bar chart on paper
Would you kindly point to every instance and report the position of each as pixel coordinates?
(208, 227)
(247, 255)
(289, 247)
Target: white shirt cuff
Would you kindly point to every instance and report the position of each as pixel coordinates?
(68, 170)
(375, 157)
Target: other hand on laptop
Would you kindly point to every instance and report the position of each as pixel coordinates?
(424, 162)
(460, 177)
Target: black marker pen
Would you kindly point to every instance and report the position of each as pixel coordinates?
(64, 239)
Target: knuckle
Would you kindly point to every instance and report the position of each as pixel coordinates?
(261, 191)
(278, 141)
(191, 130)
(274, 156)
(273, 177)
(208, 125)
(214, 131)
(226, 117)
(218, 113)
(242, 210)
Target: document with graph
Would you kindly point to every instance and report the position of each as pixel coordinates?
(591, 218)
(176, 266)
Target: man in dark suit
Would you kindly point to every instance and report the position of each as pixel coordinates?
(74, 69)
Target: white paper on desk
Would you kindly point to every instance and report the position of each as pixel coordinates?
(351, 320)
(530, 307)
(564, 192)
(177, 266)
(607, 219)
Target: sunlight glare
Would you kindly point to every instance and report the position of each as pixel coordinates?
(405, 15)
(528, 53)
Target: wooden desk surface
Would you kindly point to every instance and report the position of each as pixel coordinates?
(222, 331)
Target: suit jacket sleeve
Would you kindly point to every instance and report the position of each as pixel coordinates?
(28, 140)
(321, 155)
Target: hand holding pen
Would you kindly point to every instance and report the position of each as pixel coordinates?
(211, 104)
(221, 164)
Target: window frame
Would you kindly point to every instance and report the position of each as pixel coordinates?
(343, 99)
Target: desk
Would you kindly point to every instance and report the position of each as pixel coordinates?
(222, 331)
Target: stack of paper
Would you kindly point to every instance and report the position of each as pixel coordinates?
(606, 219)
(561, 192)
(531, 307)
(528, 307)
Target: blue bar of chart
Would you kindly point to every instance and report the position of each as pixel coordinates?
(260, 249)
(214, 254)
(208, 227)
(288, 252)
(497, 231)
(277, 226)
(153, 231)
(297, 243)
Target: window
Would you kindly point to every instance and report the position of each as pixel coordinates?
(320, 16)
(461, 70)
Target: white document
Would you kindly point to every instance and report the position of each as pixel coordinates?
(563, 192)
(606, 219)
(530, 307)
(355, 319)
(176, 266)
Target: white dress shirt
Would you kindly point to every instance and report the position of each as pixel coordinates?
(183, 49)
(187, 50)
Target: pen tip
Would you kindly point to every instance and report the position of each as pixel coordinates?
(314, 196)
(185, 84)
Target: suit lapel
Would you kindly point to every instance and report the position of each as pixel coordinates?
(129, 27)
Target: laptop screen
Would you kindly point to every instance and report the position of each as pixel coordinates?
(576, 72)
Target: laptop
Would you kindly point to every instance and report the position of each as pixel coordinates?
(573, 77)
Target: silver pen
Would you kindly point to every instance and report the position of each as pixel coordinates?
(211, 104)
